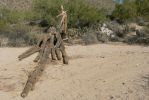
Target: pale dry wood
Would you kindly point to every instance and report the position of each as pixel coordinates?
(63, 23)
(35, 75)
(50, 44)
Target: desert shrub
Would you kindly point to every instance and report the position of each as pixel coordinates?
(11, 16)
(130, 10)
(3, 25)
(143, 8)
(31, 38)
(125, 11)
(83, 14)
(90, 37)
(79, 12)
(46, 10)
(20, 35)
(137, 40)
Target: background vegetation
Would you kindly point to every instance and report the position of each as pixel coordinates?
(131, 10)
(17, 25)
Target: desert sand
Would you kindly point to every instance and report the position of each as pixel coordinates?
(95, 72)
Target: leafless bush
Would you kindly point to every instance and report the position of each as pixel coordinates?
(90, 37)
(19, 35)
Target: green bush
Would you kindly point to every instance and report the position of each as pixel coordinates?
(12, 26)
(78, 11)
(46, 10)
(132, 9)
(3, 24)
(126, 11)
(83, 13)
(143, 8)
(10, 16)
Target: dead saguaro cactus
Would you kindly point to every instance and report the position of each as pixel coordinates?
(29, 52)
(63, 23)
(57, 47)
(50, 44)
(34, 76)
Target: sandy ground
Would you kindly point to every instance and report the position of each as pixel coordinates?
(95, 72)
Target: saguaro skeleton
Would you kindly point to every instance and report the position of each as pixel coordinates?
(49, 44)
(63, 23)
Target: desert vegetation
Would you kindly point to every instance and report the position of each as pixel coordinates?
(24, 27)
(131, 10)
(42, 14)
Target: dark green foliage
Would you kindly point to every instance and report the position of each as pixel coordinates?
(79, 12)
(10, 16)
(125, 11)
(82, 14)
(132, 9)
(143, 8)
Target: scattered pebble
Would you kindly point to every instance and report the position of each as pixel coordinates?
(102, 57)
(111, 97)
(104, 81)
(123, 83)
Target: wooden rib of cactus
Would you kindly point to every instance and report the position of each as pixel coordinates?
(53, 45)
(35, 75)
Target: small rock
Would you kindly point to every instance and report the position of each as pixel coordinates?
(123, 83)
(102, 57)
(104, 81)
(5, 69)
(111, 97)
(137, 65)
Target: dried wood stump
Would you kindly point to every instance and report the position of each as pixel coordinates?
(50, 44)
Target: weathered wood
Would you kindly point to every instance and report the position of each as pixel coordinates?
(58, 54)
(35, 75)
(51, 44)
(64, 54)
(53, 55)
(60, 47)
(63, 23)
(29, 52)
